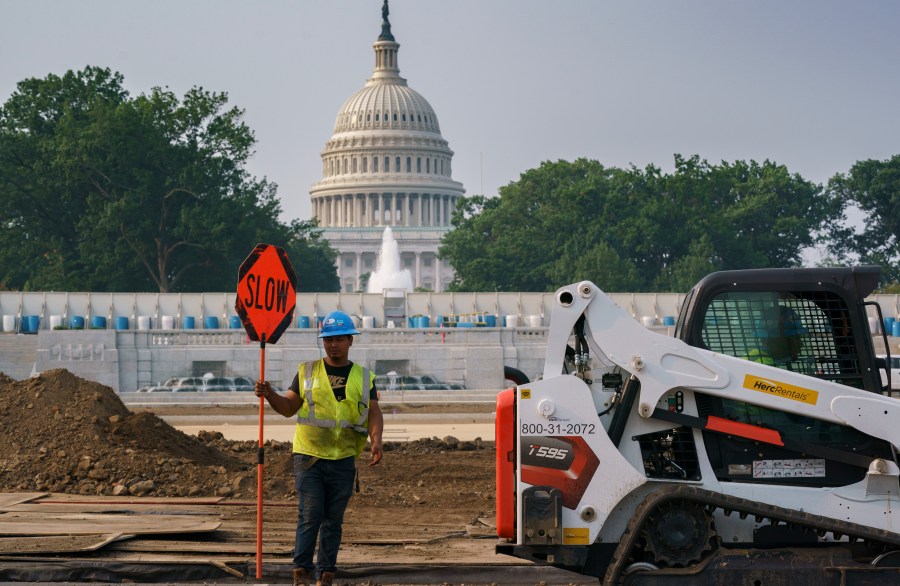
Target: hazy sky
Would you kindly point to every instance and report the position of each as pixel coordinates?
(811, 84)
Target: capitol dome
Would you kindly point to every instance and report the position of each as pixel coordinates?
(386, 164)
(387, 106)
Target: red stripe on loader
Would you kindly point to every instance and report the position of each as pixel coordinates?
(769, 436)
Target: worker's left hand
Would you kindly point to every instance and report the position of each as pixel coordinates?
(377, 453)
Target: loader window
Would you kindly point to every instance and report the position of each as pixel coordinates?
(807, 332)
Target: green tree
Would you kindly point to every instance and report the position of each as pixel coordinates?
(737, 215)
(872, 187)
(312, 257)
(135, 194)
(521, 240)
(633, 229)
(364, 282)
(40, 203)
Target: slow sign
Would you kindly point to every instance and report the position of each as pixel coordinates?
(267, 293)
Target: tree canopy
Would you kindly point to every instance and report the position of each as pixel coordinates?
(873, 188)
(633, 229)
(103, 191)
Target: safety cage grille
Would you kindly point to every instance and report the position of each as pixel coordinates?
(670, 454)
(744, 325)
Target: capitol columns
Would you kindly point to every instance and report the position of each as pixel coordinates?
(418, 269)
(438, 285)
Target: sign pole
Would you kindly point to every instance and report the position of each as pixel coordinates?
(267, 296)
(260, 460)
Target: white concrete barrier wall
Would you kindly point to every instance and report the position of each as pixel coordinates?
(651, 308)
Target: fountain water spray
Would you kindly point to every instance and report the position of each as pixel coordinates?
(388, 274)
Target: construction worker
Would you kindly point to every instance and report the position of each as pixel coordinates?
(780, 332)
(336, 405)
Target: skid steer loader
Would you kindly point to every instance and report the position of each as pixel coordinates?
(758, 445)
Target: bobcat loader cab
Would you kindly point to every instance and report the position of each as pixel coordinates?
(756, 446)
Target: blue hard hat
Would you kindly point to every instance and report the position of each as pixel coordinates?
(338, 323)
(779, 321)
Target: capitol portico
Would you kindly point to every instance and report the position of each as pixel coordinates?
(387, 164)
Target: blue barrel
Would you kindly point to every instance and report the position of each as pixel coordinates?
(421, 321)
(889, 325)
(27, 324)
(669, 320)
(188, 322)
(895, 330)
(211, 322)
(98, 322)
(121, 322)
(234, 322)
(490, 321)
(303, 322)
(76, 322)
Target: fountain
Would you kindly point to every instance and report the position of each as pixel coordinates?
(387, 273)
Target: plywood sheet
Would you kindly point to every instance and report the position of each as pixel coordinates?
(56, 544)
(216, 547)
(107, 508)
(8, 499)
(58, 497)
(86, 524)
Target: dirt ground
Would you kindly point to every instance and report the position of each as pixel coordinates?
(63, 434)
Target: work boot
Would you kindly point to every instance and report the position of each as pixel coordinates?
(301, 577)
(325, 579)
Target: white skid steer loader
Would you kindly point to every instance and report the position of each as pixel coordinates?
(756, 446)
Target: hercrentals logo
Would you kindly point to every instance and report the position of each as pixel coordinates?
(783, 390)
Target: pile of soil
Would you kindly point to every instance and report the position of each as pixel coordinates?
(61, 433)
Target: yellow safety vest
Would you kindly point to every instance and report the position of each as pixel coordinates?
(327, 428)
(760, 356)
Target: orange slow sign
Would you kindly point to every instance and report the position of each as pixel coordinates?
(267, 293)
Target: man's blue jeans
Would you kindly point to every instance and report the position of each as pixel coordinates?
(323, 491)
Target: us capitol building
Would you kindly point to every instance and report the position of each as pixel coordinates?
(386, 164)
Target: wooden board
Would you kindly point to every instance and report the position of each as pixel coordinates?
(8, 499)
(107, 508)
(216, 547)
(86, 524)
(56, 543)
(58, 497)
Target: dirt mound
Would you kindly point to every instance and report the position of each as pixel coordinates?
(61, 433)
